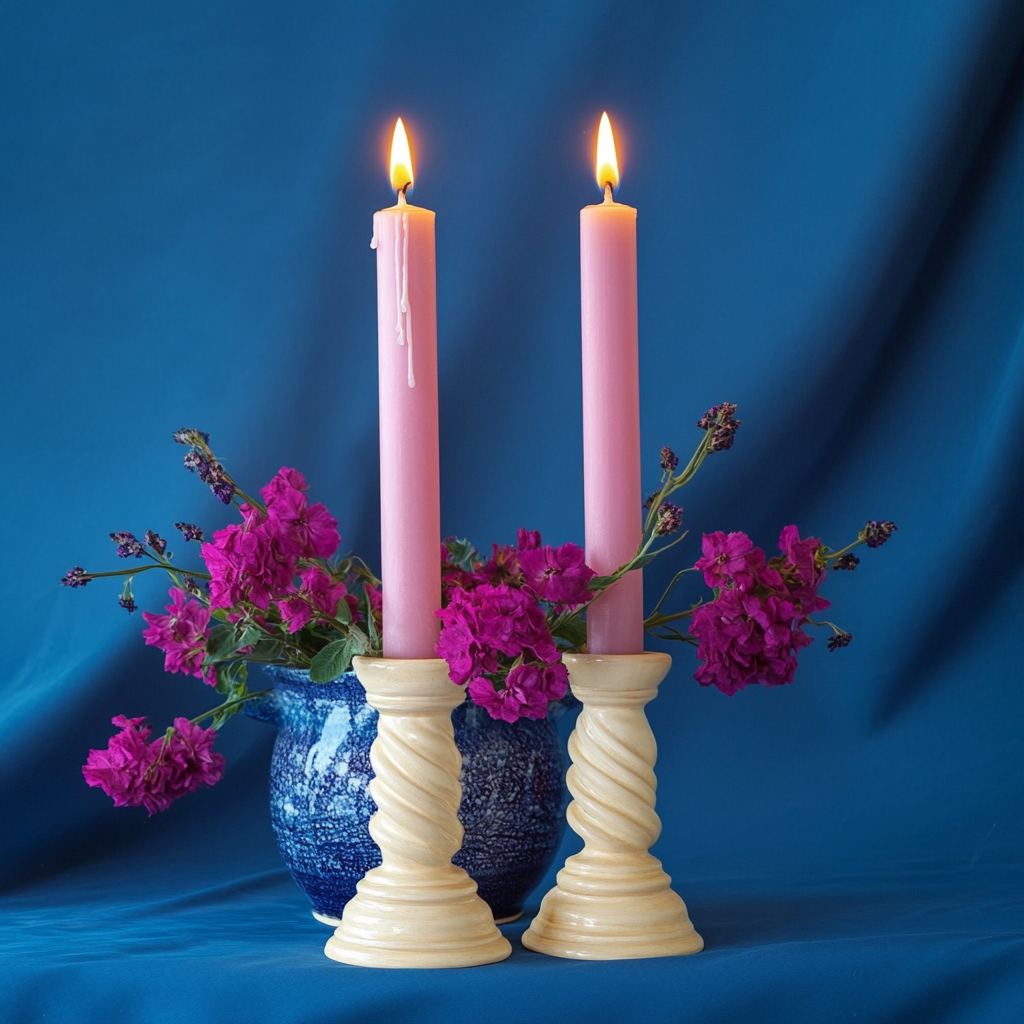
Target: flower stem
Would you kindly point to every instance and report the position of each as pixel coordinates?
(654, 620)
(144, 568)
(229, 704)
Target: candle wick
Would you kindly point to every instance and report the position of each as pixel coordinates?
(608, 193)
(401, 194)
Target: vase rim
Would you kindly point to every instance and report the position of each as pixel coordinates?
(287, 677)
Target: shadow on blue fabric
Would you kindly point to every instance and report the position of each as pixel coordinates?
(831, 234)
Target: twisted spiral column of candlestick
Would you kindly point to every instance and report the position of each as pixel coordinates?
(612, 900)
(416, 909)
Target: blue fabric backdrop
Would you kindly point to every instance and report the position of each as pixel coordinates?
(831, 232)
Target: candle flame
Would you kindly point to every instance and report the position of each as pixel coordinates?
(401, 159)
(607, 163)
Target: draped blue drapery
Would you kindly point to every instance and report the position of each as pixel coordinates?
(831, 234)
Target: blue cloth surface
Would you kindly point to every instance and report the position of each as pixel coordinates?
(831, 234)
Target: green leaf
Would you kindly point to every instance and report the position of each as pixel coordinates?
(219, 614)
(331, 662)
(359, 641)
(266, 649)
(644, 560)
(250, 637)
(231, 678)
(371, 628)
(222, 642)
(343, 612)
(223, 684)
(573, 630)
(461, 552)
(600, 582)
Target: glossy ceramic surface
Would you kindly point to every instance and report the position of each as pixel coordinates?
(513, 797)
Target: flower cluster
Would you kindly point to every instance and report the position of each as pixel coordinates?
(496, 634)
(276, 592)
(76, 576)
(155, 541)
(318, 593)
(721, 421)
(135, 773)
(127, 545)
(877, 532)
(189, 531)
(256, 561)
(751, 631)
(669, 519)
(181, 634)
(272, 594)
(200, 460)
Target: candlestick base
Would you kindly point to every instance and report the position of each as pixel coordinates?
(416, 909)
(613, 901)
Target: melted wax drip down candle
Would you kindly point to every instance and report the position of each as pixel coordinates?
(611, 409)
(410, 502)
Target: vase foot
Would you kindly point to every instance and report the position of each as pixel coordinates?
(428, 922)
(509, 919)
(326, 918)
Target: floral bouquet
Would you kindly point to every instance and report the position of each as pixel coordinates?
(273, 591)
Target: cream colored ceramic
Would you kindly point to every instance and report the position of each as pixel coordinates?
(613, 901)
(417, 909)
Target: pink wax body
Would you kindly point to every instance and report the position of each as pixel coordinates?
(410, 498)
(611, 423)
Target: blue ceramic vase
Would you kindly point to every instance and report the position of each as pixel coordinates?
(513, 792)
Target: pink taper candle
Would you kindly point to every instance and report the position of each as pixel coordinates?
(410, 502)
(611, 410)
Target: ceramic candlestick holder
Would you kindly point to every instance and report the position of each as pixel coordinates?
(416, 909)
(613, 901)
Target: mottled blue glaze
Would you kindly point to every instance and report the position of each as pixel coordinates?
(513, 792)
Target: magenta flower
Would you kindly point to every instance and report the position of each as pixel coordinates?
(284, 482)
(724, 557)
(522, 697)
(121, 770)
(135, 773)
(462, 641)
(527, 540)
(318, 593)
(187, 762)
(511, 621)
(304, 531)
(558, 575)
(246, 563)
(528, 691)
(751, 632)
(483, 623)
(556, 680)
(736, 646)
(181, 635)
(501, 568)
